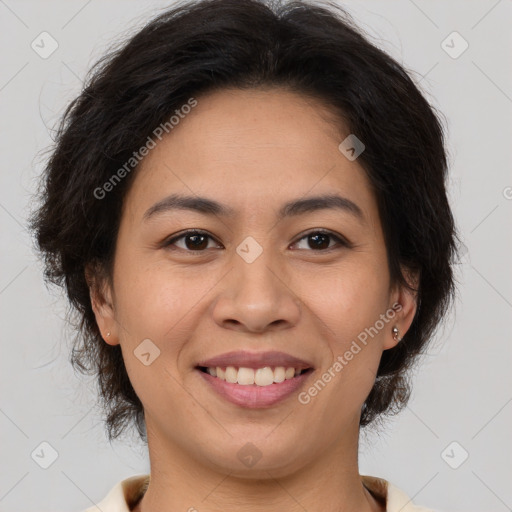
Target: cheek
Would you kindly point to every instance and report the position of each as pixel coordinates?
(350, 307)
(151, 308)
(348, 299)
(162, 304)
(150, 299)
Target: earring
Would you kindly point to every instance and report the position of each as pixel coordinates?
(395, 334)
(108, 334)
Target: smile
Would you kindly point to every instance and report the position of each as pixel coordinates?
(254, 387)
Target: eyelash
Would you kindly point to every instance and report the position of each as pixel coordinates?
(343, 242)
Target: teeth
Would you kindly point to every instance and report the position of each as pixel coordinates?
(262, 376)
(231, 374)
(248, 376)
(245, 376)
(279, 374)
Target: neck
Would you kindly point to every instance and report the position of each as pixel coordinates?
(330, 482)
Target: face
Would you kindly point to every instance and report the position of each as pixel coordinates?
(308, 282)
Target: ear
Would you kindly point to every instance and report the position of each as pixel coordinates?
(101, 295)
(405, 309)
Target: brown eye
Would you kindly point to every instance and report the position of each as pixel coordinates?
(197, 241)
(319, 240)
(193, 241)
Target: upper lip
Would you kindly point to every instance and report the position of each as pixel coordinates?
(243, 358)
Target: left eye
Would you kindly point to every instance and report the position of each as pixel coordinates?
(198, 240)
(319, 239)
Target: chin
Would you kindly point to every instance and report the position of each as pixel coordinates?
(255, 459)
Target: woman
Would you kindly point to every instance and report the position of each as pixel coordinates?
(246, 205)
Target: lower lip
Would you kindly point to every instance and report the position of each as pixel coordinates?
(253, 396)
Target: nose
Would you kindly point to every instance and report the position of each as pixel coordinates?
(255, 297)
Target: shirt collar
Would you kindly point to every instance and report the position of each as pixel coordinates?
(123, 496)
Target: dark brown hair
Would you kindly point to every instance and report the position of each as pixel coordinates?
(197, 47)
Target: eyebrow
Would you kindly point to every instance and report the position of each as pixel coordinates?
(289, 209)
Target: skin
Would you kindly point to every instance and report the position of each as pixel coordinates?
(252, 150)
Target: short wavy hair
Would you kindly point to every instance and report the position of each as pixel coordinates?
(198, 47)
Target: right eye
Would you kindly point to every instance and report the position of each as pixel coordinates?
(195, 240)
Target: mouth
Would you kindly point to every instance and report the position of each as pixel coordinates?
(264, 376)
(254, 388)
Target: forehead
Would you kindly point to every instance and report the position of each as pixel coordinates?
(253, 150)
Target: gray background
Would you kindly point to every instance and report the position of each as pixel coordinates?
(462, 391)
